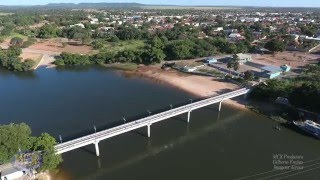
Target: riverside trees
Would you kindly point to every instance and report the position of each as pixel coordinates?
(10, 59)
(16, 138)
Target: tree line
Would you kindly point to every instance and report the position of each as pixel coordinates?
(156, 50)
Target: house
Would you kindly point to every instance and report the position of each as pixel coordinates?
(285, 68)
(11, 173)
(261, 50)
(189, 69)
(79, 25)
(210, 60)
(217, 29)
(271, 72)
(94, 21)
(106, 28)
(243, 58)
(234, 35)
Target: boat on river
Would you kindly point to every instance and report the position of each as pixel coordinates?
(309, 127)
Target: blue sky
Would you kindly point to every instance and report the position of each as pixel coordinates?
(276, 3)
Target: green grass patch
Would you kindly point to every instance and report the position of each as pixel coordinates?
(17, 35)
(210, 71)
(120, 46)
(13, 34)
(36, 61)
(122, 66)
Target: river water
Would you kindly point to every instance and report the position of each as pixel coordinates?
(232, 144)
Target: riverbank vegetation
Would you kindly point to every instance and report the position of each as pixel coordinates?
(10, 59)
(16, 138)
(302, 91)
(154, 50)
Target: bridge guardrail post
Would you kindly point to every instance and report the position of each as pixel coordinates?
(149, 130)
(189, 113)
(96, 145)
(220, 104)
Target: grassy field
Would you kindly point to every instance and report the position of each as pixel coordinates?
(17, 35)
(120, 46)
(37, 61)
(122, 66)
(210, 71)
(14, 35)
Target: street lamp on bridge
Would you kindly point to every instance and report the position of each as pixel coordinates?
(60, 138)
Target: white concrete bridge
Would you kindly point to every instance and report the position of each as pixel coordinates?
(95, 138)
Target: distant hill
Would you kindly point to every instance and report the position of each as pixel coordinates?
(5, 8)
(74, 6)
(93, 5)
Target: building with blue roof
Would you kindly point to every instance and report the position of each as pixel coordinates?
(272, 72)
(210, 60)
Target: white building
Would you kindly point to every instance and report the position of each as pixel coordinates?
(11, 174)
(79, 25)
(218, 29)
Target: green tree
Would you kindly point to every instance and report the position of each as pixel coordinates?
(234, 63)
(98, 44)
(48, 31)
(248, 75)
(27, 64)
(12, 138)
(306, 96)
(155, 55)
(275, 45)
(16, 41)
(179, 49)
(14, 51)
(45, 143)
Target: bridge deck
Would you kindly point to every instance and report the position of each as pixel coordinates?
(147, 121)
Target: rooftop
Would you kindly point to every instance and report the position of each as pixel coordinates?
(243, 56)
(271, 69)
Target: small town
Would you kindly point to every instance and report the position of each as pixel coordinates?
(222, 79)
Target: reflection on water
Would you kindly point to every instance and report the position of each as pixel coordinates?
(153, 151)
(21, 75)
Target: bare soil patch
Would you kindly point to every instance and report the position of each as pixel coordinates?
(57, 45)
(294, 59)
(197, 85)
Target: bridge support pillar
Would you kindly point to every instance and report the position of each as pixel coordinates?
(149, 130)
(96, 145)
(220, 104)
(189, 114)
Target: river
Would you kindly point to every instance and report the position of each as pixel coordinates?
(232, 144)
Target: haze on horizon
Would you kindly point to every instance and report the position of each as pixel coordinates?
(272, 3)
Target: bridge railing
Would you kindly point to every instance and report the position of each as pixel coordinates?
(139, 118)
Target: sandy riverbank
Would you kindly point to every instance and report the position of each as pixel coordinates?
(200, 86)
